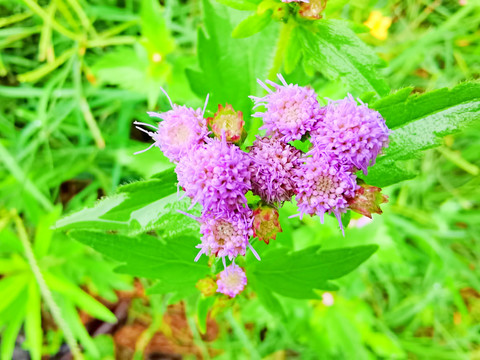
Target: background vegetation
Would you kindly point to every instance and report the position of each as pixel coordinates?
(76, 74)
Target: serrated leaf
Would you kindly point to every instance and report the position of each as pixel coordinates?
(332, 48)
(229, 67)
(387, 173)
(252, 25)
(419, 123)
(402, 108)
(170, 260)
(136, 207)
(297, 274)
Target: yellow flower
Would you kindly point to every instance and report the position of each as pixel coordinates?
(378, 24)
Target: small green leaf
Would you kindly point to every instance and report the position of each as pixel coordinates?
(252, 25)
(332, 48)
(297, 274)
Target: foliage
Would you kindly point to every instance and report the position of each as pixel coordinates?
(74, 76)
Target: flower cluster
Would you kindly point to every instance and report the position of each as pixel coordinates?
(214, 172)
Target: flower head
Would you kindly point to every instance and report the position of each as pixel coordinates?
(216, 175)
(291, 110)
(225, 235)
(272, 169)
(354, 133)
(324, 186)
(182, 129)
(232, 280)
(228, 121)
(265, 223)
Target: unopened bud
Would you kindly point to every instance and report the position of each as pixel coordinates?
(266, 224)
(227, 120)
(367, 200)
(207, 286)
(312, 10)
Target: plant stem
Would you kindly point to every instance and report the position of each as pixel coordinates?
(44, 290)
(281, 46)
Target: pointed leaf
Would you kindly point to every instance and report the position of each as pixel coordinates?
(335, 50)
(297, 274)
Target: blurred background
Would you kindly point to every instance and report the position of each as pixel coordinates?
(75, 74)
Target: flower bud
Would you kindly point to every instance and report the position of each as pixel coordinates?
(207, 286)
(367, 200)
(266, 224)
(312, 10)
(227, 120)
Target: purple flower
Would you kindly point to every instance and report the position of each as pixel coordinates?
(225, 235)
(232, 280)
(216, 175)
(291, 110)
(272, 169)
(354, 133)
(182, 129)
(324, 186)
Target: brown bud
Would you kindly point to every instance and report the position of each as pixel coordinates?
(313, 9)
(367, 200)
(265, 223)
(207, 286)
(227, 120)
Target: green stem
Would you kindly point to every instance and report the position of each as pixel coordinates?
(281, 46)
(44, 290)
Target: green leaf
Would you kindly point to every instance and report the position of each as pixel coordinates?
(170, 260)
(402, 108)
(420, 122)
(154, 28)
(297, 274)
(11, 287)
(425, 119)
(387, 173)
(204, 304)
(240, 4)
(332, 48)
(136, 208)
(229, 67)
(79, 297)
(33, 322)
(9, 336)
(293, 50)
(252, 25)
(72, 318)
